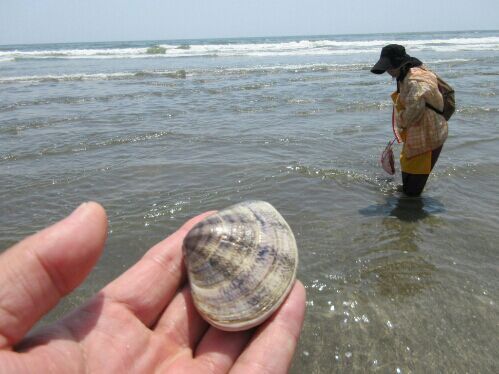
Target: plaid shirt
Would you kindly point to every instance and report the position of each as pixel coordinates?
(421, 128)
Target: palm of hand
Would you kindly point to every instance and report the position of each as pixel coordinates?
(144, 321)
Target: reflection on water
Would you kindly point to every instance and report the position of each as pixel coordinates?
(401, 271)
(408, 209)
(398, 276)
(371, 313)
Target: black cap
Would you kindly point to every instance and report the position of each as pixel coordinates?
(392, 56)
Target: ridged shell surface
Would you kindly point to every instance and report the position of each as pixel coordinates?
(241, 264)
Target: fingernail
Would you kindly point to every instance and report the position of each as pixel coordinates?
(79, 210)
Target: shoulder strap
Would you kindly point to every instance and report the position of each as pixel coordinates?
(428, 105)
(397, 137)
(441, 112)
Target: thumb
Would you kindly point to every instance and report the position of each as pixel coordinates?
(38, 271)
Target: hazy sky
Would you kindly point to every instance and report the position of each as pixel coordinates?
(45, 21)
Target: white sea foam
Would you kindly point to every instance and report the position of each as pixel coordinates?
(64, 77)
(288, 48)
(124, 75)
(181, 73)
(450, 60)
(91, 77)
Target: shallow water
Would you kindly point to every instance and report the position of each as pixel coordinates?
(393, 284)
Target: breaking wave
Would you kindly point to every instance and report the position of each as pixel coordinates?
(92, 77)
(321, 46)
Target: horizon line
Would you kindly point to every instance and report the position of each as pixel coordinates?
(252, 37)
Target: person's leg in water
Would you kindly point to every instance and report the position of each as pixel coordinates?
(413, 184)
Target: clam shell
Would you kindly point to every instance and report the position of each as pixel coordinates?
(241, 263)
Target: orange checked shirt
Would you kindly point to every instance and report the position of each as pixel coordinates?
(421, 128)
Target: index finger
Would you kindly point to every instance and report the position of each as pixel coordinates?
(148, 286)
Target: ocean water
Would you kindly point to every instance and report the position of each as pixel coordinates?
(159, 131)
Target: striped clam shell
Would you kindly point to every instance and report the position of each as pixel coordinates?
(241, 263)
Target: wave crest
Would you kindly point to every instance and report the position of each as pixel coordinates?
(98, 76)
(156, 50)
(303, 47)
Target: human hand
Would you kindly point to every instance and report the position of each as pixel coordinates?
(144, 321)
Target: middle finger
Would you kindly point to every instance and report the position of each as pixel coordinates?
(181, 324)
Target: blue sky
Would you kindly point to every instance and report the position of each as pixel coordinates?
(46, 21)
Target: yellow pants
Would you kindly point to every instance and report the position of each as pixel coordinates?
(420, 164)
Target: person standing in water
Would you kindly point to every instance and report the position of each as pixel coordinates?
(417, 124)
